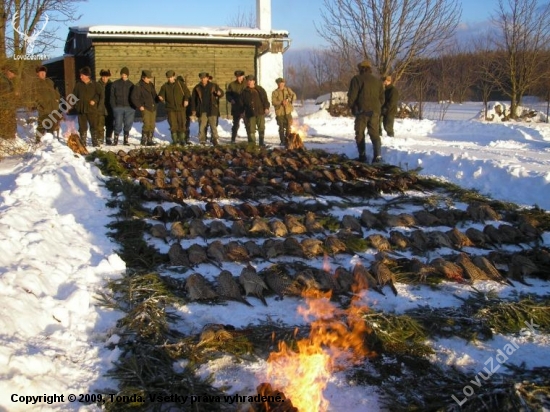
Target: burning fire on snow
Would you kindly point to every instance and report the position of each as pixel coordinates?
(336, 341)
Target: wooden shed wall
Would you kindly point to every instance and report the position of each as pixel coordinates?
(220, 60)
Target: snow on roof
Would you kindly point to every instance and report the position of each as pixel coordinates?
(164, 31)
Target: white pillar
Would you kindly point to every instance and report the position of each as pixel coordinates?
(263, 15)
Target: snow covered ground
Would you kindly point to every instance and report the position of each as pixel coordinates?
(55, 255)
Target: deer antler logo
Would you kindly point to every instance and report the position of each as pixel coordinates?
(29, 39)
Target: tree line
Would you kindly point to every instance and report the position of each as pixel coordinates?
(415, 41)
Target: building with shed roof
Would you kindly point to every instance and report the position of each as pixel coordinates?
(187, 50)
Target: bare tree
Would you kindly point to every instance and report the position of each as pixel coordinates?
(523, 35)
(27, 24)
(243, 19)
(390, 33)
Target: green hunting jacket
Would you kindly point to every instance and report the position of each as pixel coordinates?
(86, 93)
(390, 101)
(277, 98)
(47, 96)
(233, 96)
(174, 95)
(365, 94)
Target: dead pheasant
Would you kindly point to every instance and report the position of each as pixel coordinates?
(228, 288)
(252, 283)
(362, 279)
(254, 250)
(272, 248)
(279, 281)
(217, 229)
(477, 237)
(311, 223)
(352, 223)
(471, 270)
(312, 247)
(383, 275)
(480, 212)
(178, 256)
(198, 288)
(490, 270)
(159, 231)
(178, 230)
(197, 228)
(294, 226)
(459, 239)
(278, 228)
(399, 240)
(260, 227)
(449, 270)
(236, 252)
(379, 242)
(238, 229)
(216, 251)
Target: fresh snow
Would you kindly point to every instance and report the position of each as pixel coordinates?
(56, 255)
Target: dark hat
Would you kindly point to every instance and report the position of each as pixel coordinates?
(365, 64)
(86, 71)
(170, 73)
(104, 72)
(239, 73)
(280, 80)
(147, 73)
(250, 77)
(125, 71)
(203, 75)
(41, 69)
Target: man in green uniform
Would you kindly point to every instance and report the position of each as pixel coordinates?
(389, 108)
(365, 98)
(282, 99)
(233, 96)
(175, 96)
(47, 101)
(89, 95)
(256, 106)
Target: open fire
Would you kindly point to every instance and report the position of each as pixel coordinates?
(336, 341)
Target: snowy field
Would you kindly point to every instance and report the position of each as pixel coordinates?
(56, 255)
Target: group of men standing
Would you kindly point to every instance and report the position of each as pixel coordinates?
(374, 104)
(105, 106)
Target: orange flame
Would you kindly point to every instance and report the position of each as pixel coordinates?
(336, 340)
(70, 127)
(299, 129)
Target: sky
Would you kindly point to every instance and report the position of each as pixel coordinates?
(298, 17)
(56, 255)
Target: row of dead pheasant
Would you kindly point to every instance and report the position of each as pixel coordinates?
(236, 172)
(352, 229)
(299, 279)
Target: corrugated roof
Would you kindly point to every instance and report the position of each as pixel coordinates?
(180, 32)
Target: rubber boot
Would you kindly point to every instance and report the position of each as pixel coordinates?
(114, 142)
(175, 138)
(150, 139)
(282, 138)
(143, 138)
(108, 140)
(181, 138)
(125, 142)
(261, 139)
(83, 140)
(95, 140)
(361, 147)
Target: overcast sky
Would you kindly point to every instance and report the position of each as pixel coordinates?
(296, 16)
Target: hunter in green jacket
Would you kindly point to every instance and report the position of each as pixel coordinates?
(365, 99)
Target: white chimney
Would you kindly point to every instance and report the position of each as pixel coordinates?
(263, 15)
